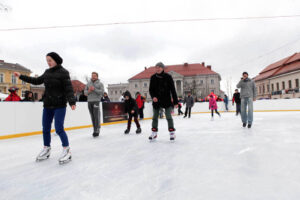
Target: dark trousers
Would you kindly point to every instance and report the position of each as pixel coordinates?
(58, 114)
(188, 110)
(179, 111)
(95, 115)
(238, 108)
(212, 112)
(135, 120)
(141, 113)
(169, 118)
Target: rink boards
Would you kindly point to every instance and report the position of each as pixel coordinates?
(18, 119)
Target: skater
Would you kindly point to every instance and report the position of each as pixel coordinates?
(140, 103)
(94, 90)
(28, 96)
(213, 106)
(58, 90)
(132, 109)
(161, 89)
(237, 99)
(105, 98)
(179, 108)
(226, 102)
(13, 96)
(189, 101)
(248, 95)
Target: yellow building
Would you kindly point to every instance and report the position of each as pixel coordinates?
(7, 78)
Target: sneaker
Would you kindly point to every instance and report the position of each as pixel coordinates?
(138, 130)
(65, 156)
(44, 154)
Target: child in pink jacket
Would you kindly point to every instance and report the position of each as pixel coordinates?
(213, 106)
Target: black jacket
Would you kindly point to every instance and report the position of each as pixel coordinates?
(237, 98)
(130, 104)
(162, 87)
(105, 99)
(58, 87)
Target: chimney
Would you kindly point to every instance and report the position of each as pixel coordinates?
(209, 67)
(185, 64)
(145, 68)
(203, 64)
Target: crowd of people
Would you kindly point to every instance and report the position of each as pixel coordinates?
(59, 92)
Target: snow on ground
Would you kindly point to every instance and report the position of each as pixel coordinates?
(209, 160)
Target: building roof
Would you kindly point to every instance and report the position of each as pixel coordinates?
(14, 67)
(78, 86)
(183, 69)
(288, 64)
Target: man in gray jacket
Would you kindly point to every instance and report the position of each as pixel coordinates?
(189, 103)
(248, 95)
(94, 90)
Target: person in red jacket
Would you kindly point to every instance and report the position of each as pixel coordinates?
(13, 95)
(140, 103)
(213, 106)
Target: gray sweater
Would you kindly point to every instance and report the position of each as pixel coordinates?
(189, 101)
(96, 94)
(248, 88)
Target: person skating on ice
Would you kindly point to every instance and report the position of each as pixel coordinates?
(132, 109)
(213, 106)
(162, 91)
(58, 91)
(237, 99)
(226, 102)
(189, 103)
(248, 95)
(94, 91)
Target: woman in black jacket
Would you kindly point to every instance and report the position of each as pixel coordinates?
(132, 109)
(58, 90)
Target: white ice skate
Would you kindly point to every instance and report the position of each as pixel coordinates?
(44, 154)
(65, 156)
(153, 136)
(172, 136)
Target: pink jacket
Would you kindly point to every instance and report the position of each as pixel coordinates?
(213, 104)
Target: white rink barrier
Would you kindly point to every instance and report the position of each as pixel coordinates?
(25, 118)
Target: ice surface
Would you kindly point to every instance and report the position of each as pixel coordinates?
(216, 160)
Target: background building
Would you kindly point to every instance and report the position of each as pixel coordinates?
(201, 80)
(280, 79)
(7, 78)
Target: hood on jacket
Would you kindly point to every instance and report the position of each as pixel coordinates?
(127, 93)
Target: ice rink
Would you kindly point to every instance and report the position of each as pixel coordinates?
(210, 160)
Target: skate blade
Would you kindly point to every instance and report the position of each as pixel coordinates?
(65, 162)
(42, 159)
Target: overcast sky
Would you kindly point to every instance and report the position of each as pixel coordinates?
(118, 52)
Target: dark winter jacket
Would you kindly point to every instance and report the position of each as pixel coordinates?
(236, 98)
(189, 101)
(82, 98)
(130, 104)
(58, 87)
(105, 99)
(162, 87)
(27, 98)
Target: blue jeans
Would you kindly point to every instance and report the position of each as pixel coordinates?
(59, 116)
(247, 117)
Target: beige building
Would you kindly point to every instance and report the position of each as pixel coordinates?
(8, 80)
(280, 79)
(201, 80)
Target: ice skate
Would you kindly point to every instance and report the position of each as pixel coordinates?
(153, 136)
(65, 156)
(126, 131)
(138, 130)
(172, 136)
(44, 154)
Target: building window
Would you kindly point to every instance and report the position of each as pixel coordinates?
(212, 81)
(277, 86)
(116, 92)
(23, 93)
(135, 85)
(290, 84)
(36, 96)
(1, 78)
(263, 89)
(13, 79)
(259, 90)
(120, 91)
(201, 82)
(272, 86)
(111, 92)
(145, 84)
(297, 83)
(268, 88)
(283, 85)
